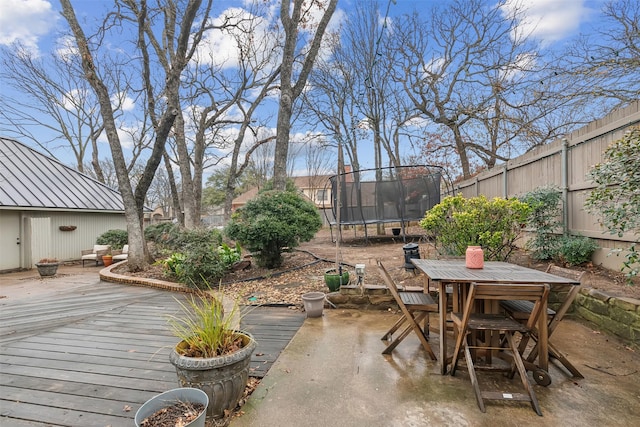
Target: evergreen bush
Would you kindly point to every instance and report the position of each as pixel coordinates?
(116, 238)
(616, 197)
(545, 221)
(273, 222)
(576, 250)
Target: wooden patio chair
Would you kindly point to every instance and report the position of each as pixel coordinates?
(497, 328)
(415, 308)
(520, 310)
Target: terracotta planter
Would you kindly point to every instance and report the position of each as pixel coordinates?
(107, 260)
(222, 378)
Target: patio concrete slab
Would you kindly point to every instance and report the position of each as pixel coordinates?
(333, 373)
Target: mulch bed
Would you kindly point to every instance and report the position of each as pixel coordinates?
(177, 415)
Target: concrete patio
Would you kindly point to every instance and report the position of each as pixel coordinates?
(331, 373)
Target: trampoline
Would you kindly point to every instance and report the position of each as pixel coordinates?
(383, 195)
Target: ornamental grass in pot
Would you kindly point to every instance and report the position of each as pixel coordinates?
(213, 355)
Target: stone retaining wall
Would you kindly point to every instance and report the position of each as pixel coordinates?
(618, 316)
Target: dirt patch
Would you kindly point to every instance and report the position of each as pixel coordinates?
(302, 270)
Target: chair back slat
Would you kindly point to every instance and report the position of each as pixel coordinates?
(565, 272)
(391, 284)
(523, 292)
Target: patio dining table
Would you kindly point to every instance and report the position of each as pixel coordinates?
(454, 273)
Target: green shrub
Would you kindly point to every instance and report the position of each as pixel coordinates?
(157, 233)
(116, 238)
(198, 257)
(457, 222)
(229, 255)
(271, 222)
(616, 197)
(576, 250)
(545, 220)
(180, 238)
(174, 264)
(202, 265)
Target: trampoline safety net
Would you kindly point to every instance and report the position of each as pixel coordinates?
(392, 194)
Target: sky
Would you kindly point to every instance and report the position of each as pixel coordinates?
(37, 24)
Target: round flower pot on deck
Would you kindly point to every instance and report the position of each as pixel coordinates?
(222, 378)
(107, 260)
(47, 269)
(169, 398)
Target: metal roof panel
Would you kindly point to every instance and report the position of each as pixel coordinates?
(31, 179)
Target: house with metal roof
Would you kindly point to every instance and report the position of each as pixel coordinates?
(49, 210)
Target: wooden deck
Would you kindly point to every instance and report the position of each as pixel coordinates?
(92, 356)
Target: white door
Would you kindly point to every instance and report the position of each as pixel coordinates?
(10, 240)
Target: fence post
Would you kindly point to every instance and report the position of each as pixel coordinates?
(505, 182)
(564, 165)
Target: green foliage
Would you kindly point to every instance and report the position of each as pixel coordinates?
(174, 264)
(116, 238)
(198, 257)
(157, 232)
(229, 255)
(183, 239)
(545, 220)
(203, 328)
(289, 186)
(274, 221)
(576, 250)
(215, 189)
(616, 197)
(457, 222)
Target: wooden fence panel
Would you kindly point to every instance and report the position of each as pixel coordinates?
(563, 164)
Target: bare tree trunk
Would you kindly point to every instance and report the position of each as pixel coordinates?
(288, 90)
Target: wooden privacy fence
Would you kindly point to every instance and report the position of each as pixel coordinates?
(564, 164)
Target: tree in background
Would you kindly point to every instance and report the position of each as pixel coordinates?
(469, 70)
(175, 23)
(606, 63)
(616, 198)
(297, 61)
(55, 96)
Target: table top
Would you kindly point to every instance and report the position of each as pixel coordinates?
(493, 271)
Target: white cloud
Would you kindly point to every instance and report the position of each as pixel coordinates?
(549, 20)
(66, 47)
(24, 21)
(122, 101)
(72, 99)
(220, 48)
(524, 62)
(126, 134)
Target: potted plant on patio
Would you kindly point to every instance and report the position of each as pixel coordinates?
(47, 267)
(107, 259)
(212, 355)
(177, 407)
(334, 279)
